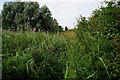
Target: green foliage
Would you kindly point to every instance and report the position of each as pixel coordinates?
(33, 56)
(91, 54)
(107, 20)
(94, 56)
(22, 16)
(48, 23)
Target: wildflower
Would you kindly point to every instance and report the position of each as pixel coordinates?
(117, 46)
(113, 27)
(113, 43)
(94, 21)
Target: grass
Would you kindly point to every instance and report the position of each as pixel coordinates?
(44, 56)
(68, 34)
(89, 52)
(104, 66)
(25, 52)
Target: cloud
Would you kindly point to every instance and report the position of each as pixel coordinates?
(1, 6)
(67, 12)
(64, 0)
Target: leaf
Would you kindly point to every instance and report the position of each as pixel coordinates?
(104, 66)
(66, 73)
(91, 75)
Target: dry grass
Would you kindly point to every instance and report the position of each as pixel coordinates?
(68, 34)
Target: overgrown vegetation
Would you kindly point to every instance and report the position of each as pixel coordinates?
(33, 56)
(93, 53)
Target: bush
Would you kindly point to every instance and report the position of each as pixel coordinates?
(95, 56)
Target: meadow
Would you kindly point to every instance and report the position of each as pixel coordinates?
(89, 52)
(38, 55)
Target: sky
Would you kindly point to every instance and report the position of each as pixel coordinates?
(67, 11)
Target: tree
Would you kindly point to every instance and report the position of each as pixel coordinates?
(8, 15)
(66, 28)
(27, 15)
(48, 22)
(31, 12)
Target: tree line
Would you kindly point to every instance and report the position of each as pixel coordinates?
(25, 16)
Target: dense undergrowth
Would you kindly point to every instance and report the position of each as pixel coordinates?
(44, 56)
(93, 53)
(32, 56)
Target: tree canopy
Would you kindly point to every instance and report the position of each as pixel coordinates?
(24, 16)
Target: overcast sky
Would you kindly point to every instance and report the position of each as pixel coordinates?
(67, 11)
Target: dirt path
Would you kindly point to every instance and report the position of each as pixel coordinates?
(68, 34)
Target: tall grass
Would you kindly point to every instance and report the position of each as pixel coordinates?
(33, 56)
(47, 56)
(88, 54)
